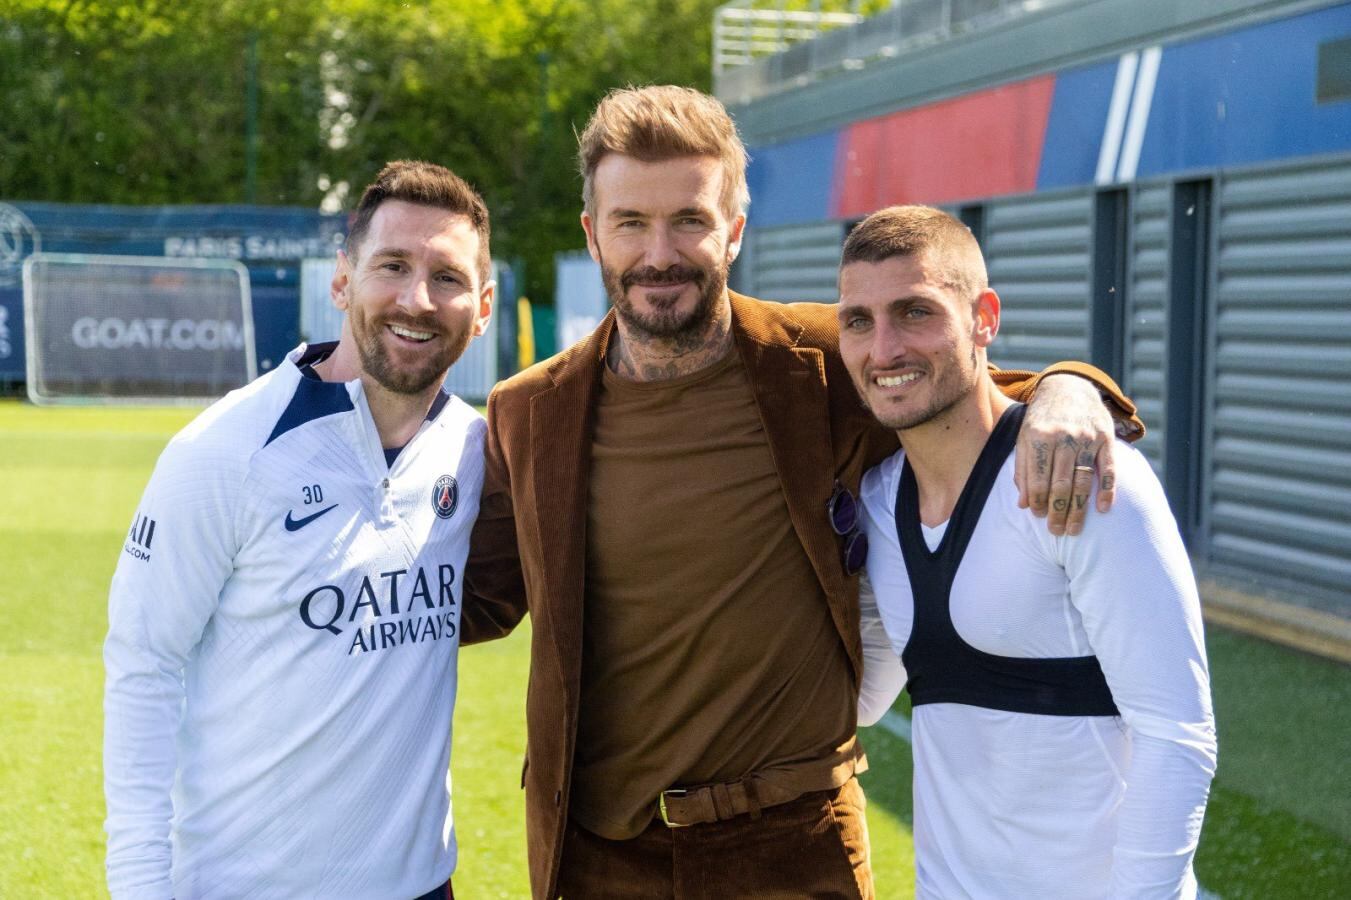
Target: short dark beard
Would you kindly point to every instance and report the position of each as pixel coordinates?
(954, 391)
(377, 364)
(664, 324)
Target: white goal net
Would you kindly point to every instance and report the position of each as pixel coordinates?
(133, 329)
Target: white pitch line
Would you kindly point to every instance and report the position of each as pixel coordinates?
(898, 725)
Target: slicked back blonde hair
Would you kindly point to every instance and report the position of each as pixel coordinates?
(663, 122)
(921, 231)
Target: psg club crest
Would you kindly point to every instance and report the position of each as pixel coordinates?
(445, 496)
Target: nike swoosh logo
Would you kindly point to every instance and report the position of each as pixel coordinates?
(297, 524)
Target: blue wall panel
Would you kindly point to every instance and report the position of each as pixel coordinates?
(1069, 152)
(1246, 97)
(791, 182)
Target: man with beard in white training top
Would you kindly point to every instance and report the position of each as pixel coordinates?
(284, 621)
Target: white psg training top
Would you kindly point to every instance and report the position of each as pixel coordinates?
(283, 633)
(1015, 805)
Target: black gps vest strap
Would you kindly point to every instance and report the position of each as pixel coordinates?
(943, 668)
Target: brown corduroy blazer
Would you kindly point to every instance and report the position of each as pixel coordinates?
(529, 545)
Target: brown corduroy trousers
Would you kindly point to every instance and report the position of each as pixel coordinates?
(813, 847)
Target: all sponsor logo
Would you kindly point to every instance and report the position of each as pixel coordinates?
(445, 496)
(139, 538)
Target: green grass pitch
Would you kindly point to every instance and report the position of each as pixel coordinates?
(1279, 823)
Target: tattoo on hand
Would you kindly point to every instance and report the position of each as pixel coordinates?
(1061, 505)
(1080, 500)
(1106, 483)
(1085, 458)
(1043, 453)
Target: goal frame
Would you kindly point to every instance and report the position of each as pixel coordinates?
(30, 326)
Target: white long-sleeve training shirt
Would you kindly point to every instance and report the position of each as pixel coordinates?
(281, 652)
(1017, 805)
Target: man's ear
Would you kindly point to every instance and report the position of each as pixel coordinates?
(735, 233)
(986, 325)
(342, 278)
(486, 296)
(590, 228)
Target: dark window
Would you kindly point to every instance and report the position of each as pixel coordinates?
(1334, 71)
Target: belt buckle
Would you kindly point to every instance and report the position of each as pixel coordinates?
(661, 806)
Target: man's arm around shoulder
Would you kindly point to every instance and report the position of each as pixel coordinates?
(495, 599)
(1067, 438)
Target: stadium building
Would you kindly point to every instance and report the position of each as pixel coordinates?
(1161, 187)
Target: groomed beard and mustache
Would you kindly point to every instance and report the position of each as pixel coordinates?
(376, 361)
(665, 321)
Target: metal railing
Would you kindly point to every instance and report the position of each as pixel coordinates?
(759, 51)
(747, 30)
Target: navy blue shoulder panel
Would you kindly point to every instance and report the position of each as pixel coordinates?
(316, 352)
(442, 398)
(312, 400)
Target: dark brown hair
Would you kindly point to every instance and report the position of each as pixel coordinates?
(663, 122)
(921, 230)
(425, 184)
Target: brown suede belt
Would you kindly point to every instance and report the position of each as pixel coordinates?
(679, 807)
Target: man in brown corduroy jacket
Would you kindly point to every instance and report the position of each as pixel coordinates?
(670, 499)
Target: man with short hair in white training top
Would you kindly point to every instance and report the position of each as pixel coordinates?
(1063, 735)
(284, 621)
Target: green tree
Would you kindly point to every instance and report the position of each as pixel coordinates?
(145, 103)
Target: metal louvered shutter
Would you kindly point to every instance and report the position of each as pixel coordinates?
(1037, 250)
(1147, 314)
(796, 262)
(1278, 442)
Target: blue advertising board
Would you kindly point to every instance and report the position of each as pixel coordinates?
(269, 241)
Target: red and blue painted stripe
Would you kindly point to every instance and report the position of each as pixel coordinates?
(1243, 97)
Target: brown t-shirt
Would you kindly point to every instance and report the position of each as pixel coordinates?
(709, 650)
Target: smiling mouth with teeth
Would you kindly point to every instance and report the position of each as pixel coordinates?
(410, 334)
(895, 380)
